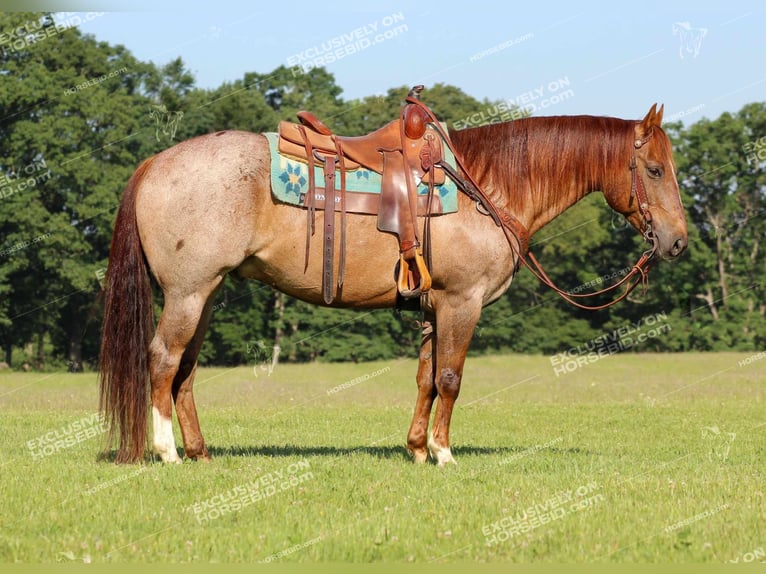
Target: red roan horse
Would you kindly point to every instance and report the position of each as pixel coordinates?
(203, 209)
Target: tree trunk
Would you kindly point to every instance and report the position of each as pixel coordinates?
(279, 331)
(715, 221)
(40, 359)
(75, 355)
(293, 356)
(8, 353)
(754, 251)
(710, 300)
(721, 269)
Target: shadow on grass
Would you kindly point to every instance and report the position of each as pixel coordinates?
(289, 450)
(381, 452)
(388, 451)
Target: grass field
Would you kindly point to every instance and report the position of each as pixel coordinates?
(635, 458)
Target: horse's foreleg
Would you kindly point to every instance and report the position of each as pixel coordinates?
(194, 443)
(456, 327)
(417, 436)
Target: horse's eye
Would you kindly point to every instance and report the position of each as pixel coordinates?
(654, 172)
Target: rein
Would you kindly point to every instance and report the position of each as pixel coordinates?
(516, 232)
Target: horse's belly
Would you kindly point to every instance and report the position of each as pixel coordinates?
(368, 276)
(355, 292)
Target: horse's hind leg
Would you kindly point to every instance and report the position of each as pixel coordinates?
(173, 354)
(183, 397)
(417, 436)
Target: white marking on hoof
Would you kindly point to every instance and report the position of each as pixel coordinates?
(441, 454)
(164, 442)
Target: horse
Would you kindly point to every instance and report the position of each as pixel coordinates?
(203, 209)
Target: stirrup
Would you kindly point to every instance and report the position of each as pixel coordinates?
(408, 276)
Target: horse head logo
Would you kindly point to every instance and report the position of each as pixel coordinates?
(720, 443)
(691, 38)
(265, 357)
(166, 122)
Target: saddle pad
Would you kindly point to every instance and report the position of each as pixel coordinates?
(290, 182)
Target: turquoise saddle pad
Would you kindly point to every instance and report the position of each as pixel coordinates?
(290, 183)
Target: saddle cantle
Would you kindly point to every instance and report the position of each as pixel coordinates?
(405, 152)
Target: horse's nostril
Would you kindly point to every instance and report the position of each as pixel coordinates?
(678, 246)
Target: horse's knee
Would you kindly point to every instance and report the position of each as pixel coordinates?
(448, 383)
(426, 383)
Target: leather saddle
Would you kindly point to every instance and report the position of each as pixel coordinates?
(406, 152)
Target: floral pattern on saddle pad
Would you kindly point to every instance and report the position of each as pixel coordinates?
(290, 179)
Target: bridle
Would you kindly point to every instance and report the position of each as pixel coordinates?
(639, 273)
(638, 191)
(518, 235)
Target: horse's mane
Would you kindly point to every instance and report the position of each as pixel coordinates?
(537, 159)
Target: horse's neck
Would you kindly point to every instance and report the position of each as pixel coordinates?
(549, 164)
(555, 182)
(537, 215)
(545, 198)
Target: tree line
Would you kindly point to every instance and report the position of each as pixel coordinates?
(78, 116)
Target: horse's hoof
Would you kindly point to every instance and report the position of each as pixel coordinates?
(170, 455)
(419, 456)
(197, 454)
(440, 454)
(445, 461)
(170, 459)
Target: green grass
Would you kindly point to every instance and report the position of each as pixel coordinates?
(629, 430)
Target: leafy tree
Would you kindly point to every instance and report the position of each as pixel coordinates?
(724, 178)
(73, 111)
(288, 91)
(79, 115)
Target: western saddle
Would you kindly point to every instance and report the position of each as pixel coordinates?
(405, 152)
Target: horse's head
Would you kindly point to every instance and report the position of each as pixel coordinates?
(649, 197)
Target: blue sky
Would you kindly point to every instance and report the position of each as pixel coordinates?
(603, 58)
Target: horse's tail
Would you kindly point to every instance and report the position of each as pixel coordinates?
(126, 332)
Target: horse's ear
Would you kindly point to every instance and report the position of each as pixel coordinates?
(651, 119)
